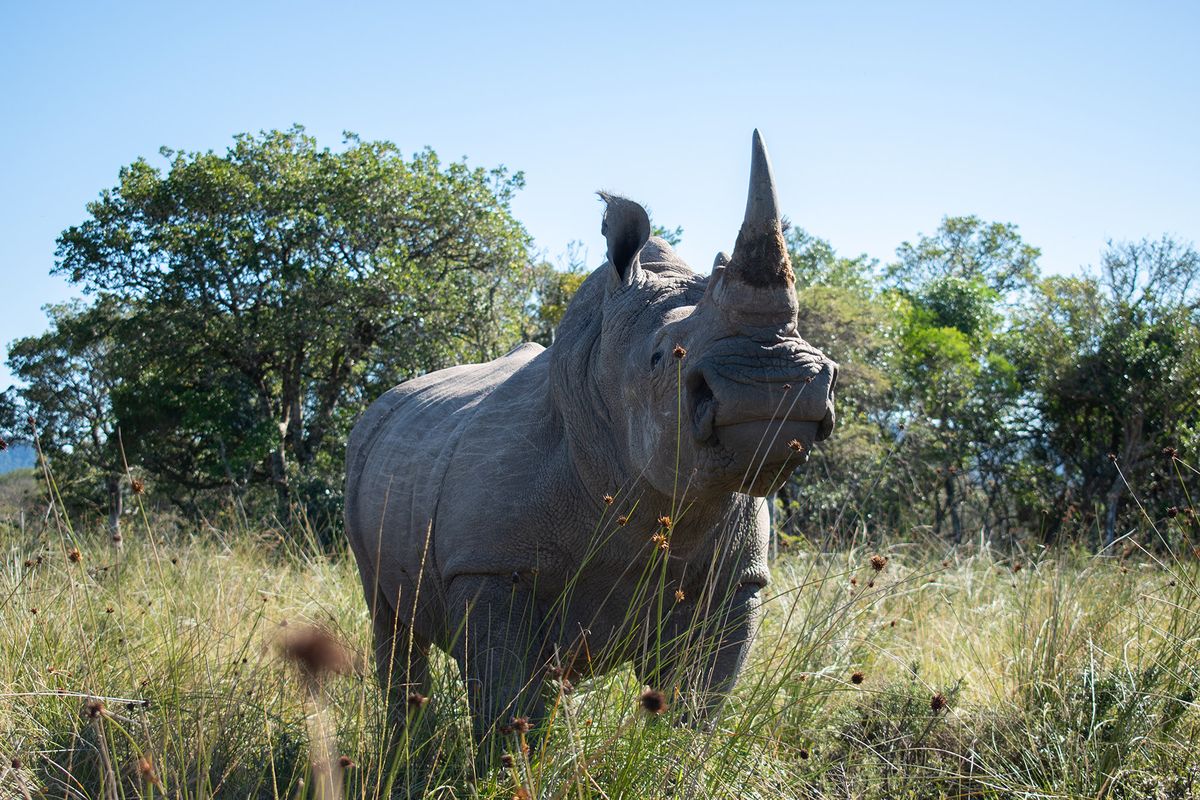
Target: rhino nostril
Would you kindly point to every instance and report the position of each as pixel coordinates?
(698, 388)
(703, 405)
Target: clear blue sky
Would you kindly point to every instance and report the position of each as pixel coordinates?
(1078, 122)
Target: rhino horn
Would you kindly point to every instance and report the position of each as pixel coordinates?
(759, 286)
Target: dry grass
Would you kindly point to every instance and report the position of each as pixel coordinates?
(1071, 676)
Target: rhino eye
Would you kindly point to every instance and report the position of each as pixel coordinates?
(654, 359)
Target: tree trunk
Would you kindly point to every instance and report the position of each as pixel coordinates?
(937, 514)
(952, 507)
(115, 507)
(280, 480)
(1131, 452)
(1113, 500)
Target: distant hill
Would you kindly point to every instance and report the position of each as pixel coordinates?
(17, 456)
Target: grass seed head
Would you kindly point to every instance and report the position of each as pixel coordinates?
(938, 702)
(315, 652)
(416, 701)
(878, 562)
(857, 677)
(145, 770)
(521, 725)
(796, 445)
(679, 595)
(665, 521)
(507, 761)
(679, 351)
(137, 485)
(652, 701)
(345, 762)
(622, 520)
(74, 556)
(94, 709)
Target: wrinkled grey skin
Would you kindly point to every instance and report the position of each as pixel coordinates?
(475, 495)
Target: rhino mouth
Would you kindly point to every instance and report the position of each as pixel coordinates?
(768, 441)
(774, 435)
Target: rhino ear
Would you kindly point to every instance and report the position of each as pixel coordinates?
(626, 227)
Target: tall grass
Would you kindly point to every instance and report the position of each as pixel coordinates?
(155, 670)
(235, 662)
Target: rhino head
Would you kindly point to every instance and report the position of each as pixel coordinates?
(702, 384)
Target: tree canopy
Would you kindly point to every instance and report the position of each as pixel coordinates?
(242, 307)
(247, 302)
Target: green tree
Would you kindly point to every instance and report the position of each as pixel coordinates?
(1115, 361)
(69, 381)
(672, 236)
(553, 287)
(10, 405)
(958, 387)
(270, 291)
(969, 249)
(843, 311)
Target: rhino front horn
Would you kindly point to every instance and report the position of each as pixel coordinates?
(760, 258)
(762, 203)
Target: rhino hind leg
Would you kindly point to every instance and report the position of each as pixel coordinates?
(401, 663)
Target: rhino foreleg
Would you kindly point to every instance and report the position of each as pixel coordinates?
(699, 664)
(498, 647)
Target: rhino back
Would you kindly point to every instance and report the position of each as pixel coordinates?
(397, 459)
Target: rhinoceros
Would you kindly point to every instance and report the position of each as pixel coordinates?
(560, 511)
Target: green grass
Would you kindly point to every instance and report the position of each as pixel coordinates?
(1072, 676)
